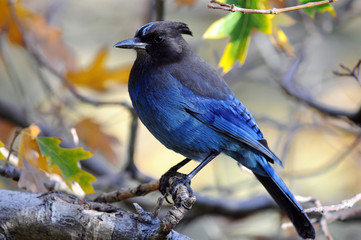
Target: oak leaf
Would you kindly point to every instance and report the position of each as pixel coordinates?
(67, 161)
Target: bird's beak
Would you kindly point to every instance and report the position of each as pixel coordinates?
(134, 43)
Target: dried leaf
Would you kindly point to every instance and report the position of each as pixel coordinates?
(33, 178)
(29, 148)
(48, 39)
(8, 23)
(97, 76)
(26, 23)
(6, 130)
(92, 134)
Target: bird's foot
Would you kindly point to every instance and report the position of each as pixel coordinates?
(171, 179)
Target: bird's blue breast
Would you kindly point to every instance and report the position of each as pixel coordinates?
(160, 102)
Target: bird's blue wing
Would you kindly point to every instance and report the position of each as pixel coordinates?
(209, 99)
(231, 117)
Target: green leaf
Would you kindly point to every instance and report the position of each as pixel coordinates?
(1, 156)
(239, 27)
(67, 161)
(322, 8)
(222, 27)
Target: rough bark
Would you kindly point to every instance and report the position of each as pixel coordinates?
(26, 215)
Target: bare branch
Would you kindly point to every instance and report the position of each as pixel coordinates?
(355, 72)
(348, 203)
(289, 86)
(214, 4)
(332, 213)
(125, 193)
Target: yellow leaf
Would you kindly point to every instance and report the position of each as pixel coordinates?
(97, 76)
(1, 156)
(278, 37)
(29, 149)
(92, 134)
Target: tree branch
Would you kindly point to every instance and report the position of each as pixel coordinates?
(289, 86)
(355, 72)
(214, 4)
(10, 172)
(60, 216)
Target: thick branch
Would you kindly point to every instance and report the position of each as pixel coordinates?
(59, 216)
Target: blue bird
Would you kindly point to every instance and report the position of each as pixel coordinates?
(190, 109)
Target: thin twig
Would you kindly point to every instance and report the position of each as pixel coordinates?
(335, 212)
(126, 193)
(11, 149)
(345, 204)
(355, 72)
(214, 4)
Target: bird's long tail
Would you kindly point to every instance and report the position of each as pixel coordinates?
(284, 198)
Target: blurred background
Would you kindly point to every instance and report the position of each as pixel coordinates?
(321, 152)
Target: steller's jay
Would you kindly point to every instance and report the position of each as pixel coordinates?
(190, 109)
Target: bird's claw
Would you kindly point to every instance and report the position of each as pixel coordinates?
(169, 181)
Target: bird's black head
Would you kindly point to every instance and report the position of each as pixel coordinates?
(159, 41)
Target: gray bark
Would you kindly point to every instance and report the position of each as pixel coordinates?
(26, 215)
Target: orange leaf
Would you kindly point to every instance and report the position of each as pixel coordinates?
(29, 150)
(6, 130)
(92, 134)
(48, 39)
(97, 76)
(38, 32)
(8, 23)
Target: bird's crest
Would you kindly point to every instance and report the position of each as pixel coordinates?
(179, 26)
(183, 28)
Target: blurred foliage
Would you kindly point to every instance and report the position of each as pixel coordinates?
(322, 8)
(40, 155)
(239, 26)
(97, 75)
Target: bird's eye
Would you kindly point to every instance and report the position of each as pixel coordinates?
(159, 38)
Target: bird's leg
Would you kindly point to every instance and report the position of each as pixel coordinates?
(202, 165)
(172, 177)
(165, 182)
